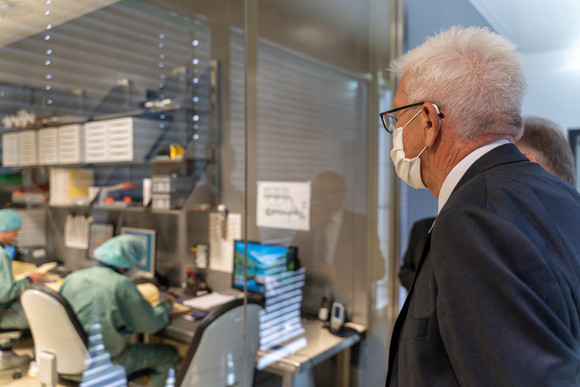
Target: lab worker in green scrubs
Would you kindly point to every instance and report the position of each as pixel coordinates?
(105, 294)
(11, 313)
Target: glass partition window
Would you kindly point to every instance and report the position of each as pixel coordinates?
(160, 120)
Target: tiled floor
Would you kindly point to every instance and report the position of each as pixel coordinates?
(262, 379)
(25, 348)
(27, 381)
(24, 381)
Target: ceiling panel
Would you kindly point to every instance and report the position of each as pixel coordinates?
(536, 25)
(22, 18)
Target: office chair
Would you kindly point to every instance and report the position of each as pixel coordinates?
(59, 338)
(216, 354)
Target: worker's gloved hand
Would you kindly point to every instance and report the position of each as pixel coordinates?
(170, 298)
(36, 277)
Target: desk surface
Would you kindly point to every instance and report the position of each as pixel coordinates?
(319, 345)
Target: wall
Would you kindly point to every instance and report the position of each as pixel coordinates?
(553, 84)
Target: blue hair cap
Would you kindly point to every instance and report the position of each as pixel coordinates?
(9, 220)
(123, 251)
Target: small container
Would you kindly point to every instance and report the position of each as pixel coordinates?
(146, 191)
(190, 283)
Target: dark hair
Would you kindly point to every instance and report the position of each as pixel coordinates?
(547, 138)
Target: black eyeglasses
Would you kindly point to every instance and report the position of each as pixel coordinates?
(390, 117)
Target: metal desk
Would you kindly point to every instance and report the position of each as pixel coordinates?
(320, 346)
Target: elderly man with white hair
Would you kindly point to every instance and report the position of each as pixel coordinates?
(496, 296)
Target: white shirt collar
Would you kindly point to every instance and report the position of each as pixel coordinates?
(337, 217)
(459, 170)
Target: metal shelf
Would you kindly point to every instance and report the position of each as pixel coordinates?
(118, 208)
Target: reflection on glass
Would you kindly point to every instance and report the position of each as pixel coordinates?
(334, 251)
(271, 272)
(99, 367)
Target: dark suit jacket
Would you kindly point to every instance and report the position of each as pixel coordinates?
(417, 240)
(348, 283)
(496, 299)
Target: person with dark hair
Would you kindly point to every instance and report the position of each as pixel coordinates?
(543, 142)
(496, 295)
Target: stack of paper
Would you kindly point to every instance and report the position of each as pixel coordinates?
(209, 300)
(21, 270)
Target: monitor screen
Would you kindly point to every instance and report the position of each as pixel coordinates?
(145, 268)
(263, 260)
(99, 233)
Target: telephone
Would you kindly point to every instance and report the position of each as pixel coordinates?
(337, 316)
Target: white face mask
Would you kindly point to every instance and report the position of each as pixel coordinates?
(409, 170)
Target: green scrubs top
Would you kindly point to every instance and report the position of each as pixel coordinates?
(100, 294)
(10, 289)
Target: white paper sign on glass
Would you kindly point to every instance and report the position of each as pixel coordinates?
(284, 205)
(221, 240)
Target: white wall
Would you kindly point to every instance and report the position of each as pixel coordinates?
(553, 86)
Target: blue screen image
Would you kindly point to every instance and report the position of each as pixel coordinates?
(263, 261)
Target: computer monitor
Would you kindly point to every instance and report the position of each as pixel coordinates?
(99, 233)
(264, 260)
(146, 267)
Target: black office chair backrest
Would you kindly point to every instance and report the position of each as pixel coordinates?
(56, 329)
(216, 355)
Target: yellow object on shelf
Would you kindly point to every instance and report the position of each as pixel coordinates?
(175, 152)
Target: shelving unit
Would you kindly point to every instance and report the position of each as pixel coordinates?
(121, 146)
(137, 209)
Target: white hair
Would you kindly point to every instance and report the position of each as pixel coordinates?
(473, 75)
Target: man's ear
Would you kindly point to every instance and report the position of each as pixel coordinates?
(532, 158)
(431, 124)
